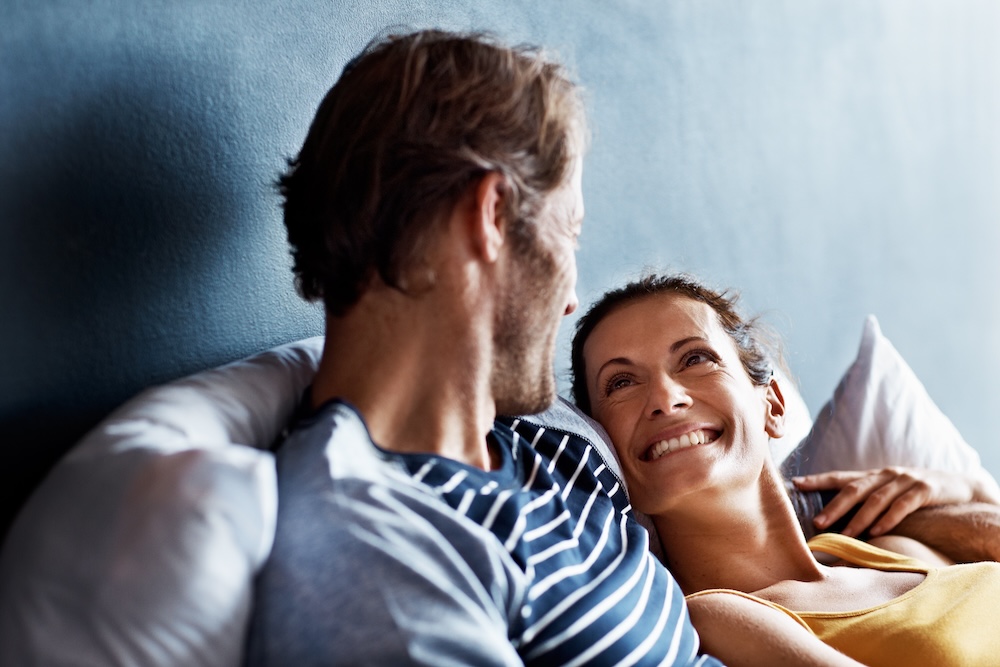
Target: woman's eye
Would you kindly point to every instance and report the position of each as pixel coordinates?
(615, 383)
(697, 357)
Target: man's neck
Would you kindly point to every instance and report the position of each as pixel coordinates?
(419, 379)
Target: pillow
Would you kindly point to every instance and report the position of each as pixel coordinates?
(141, 545)
(881, 415)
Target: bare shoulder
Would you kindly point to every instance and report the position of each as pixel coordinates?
(743, 631)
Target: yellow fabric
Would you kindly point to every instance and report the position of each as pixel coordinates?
(949, 619)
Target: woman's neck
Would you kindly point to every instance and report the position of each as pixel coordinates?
(744, 540)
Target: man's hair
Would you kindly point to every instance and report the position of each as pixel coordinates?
(757, 345)
(413, 121)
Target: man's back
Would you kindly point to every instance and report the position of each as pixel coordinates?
(417, 559)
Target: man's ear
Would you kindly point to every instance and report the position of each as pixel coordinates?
(774, 418)
(489, 225)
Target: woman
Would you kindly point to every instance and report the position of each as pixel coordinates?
(685, 389)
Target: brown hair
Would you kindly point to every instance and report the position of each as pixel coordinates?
(412, 122)
(757, 346)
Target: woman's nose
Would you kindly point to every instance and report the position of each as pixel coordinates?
(667, 396)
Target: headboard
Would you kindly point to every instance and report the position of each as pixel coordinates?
(831, 159)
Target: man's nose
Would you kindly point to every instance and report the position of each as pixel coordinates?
(572, 304)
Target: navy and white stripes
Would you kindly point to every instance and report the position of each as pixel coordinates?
(595, 595)
(388, 558)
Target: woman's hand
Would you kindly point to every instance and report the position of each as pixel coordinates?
(887, 495)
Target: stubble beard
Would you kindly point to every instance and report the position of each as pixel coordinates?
(525, 328)
(524, 381)
(523, 386)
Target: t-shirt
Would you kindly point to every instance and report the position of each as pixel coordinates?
(392, 558)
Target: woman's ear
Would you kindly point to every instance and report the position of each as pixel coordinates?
(774, 418)
(488, 224)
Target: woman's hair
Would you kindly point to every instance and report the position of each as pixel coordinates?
(757, 345)
(412, 122)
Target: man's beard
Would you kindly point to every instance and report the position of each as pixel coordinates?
(521, 386)
(523, 379)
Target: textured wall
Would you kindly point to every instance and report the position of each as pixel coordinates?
(830, 158)
(833, 159)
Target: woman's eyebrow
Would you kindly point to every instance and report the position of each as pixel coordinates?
(684, 341)
(623, 361)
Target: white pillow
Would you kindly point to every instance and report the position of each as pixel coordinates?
(881, 415)
(141, 545)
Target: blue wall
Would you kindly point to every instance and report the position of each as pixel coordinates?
(830, 158)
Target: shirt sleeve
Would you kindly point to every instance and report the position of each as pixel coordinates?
(372, 574)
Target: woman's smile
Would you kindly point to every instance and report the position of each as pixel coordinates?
(693, 438)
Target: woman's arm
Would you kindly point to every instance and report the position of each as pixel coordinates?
(745, 633)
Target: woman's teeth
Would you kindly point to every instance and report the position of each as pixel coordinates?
(698, 437)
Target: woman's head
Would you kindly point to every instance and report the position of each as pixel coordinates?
(682, 383)
(754, 344)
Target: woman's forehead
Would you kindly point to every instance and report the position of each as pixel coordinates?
(669, 311)
(652, 319)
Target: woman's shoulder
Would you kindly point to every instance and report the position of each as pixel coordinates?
(712, 595)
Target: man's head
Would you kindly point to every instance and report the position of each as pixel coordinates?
(414, 121)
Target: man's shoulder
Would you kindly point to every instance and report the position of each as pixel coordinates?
(363, 551)
(332, 444)
(336, 484)
(329, 460)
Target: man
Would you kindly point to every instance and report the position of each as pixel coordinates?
(434, 208)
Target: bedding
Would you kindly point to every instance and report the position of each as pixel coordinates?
(141, 545)
(881, 415)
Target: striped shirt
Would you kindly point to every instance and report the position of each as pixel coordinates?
(536, 562)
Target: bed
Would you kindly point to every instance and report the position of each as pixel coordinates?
(142, 242)
(141, 545)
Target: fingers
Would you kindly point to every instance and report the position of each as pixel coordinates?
(909, 502)
(885, 508)
(855, 487)
(882, 497)
(985, 488)
(835, 479)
